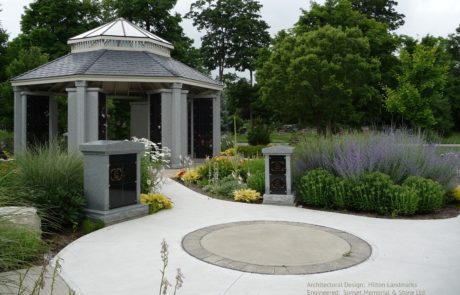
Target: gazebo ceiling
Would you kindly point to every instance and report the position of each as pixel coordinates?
(117, 52)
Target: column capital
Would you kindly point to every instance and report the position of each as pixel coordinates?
(176, 85)
(80, 83)
(17, 89)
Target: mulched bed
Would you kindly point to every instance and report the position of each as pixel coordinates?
(449, 211)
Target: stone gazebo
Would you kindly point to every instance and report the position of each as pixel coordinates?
(170, 103)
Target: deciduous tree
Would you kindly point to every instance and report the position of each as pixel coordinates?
(323, 76)
(234, 32)
(48, 24)
(421, 86)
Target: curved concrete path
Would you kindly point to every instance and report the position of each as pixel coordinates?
(124, 258)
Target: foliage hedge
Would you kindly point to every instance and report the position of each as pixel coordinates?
(374, 192)
(430, 193)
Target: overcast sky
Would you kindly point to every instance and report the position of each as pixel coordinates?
(435, 17)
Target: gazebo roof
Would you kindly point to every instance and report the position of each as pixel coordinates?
(118, 28)
(117, 51)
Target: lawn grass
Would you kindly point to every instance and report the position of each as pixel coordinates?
(454, 138)
(276, 137)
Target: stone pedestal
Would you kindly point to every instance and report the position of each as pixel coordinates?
(112, 180)
(278, 182)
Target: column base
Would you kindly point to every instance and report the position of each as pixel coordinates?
(119, 214)
(285, 200)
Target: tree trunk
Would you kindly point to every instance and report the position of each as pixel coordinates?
(250, 76)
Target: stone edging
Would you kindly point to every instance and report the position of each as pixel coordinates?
(360, 251)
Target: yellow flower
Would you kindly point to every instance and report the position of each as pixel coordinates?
(156, 202)
(246, 195)
(191, 176)
(456, 192)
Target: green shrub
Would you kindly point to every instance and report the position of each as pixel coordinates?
(370, 193)
(430, 193)
(89, 225)
(6, 142)
(19, 246)
(403, 200)
(256, 181)
(252, 166)
(52, 180)
(220, 166)
(225, 187)
(315, 188)
(259, 135)
(145, 161)
(251, 151)
(340, 193)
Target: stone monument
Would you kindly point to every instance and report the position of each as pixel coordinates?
(112, 180)
(278, 183)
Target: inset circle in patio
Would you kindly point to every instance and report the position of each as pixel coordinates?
(276, 247)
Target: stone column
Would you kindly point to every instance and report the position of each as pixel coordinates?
(91, 114)
(176, 125)
(184, 123)
(216, 109)
(76, 115)
(20, 117)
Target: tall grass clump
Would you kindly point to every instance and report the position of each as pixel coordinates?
(52, 180)
(397, 154)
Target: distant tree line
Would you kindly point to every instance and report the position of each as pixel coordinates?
(341, 66)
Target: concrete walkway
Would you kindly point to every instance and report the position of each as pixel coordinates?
(407, 255)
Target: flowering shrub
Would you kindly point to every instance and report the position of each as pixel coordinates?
(228, 152)
(397, 154)
(156, 202)
(246, 195)
(153, 162)
(190, 176)
(456, 192)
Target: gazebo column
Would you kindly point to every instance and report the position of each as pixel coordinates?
(178, 125)
(20, 117)
(86, 115)
(216, 136)
(76, 115)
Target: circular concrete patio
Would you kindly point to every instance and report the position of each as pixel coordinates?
(276, 247)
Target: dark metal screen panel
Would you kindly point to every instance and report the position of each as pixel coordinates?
(122, 180)
(102, 122)
(155, 118)
(38, 108)
(277, 171)
(202, 127)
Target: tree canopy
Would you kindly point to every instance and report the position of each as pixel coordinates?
(234, 32)
(421, 86)
(156, 16)
(324, 75)
(49, 24)
(380, 10)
